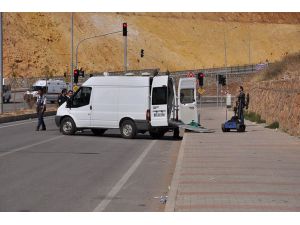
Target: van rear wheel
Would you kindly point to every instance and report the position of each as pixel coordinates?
(67, 126)
(128, 129)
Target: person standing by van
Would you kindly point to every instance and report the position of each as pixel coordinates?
(62, 97)
(40, 109)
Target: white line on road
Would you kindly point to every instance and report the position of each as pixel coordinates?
(17, 124)
(114, 191)
(29, 146)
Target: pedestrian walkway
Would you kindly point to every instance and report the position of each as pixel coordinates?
(258, 170)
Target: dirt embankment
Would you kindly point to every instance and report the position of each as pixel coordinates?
(38, 44)
(275, 94)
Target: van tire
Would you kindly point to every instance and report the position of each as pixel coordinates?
(128, 129)
(98, 132)
(67, 126)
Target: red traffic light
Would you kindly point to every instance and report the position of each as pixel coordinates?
(201, 74)
(124, 29)
(75, 72)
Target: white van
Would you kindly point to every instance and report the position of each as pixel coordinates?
(134, 104)
(52, 86)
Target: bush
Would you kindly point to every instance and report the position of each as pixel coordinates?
(253, 117)
(274, 125)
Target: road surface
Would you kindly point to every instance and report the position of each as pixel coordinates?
(46, 171)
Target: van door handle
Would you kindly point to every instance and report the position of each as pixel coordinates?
(91, 107)
(191, 107)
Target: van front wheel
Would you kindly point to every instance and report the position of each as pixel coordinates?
(128, 129)
(67, 126)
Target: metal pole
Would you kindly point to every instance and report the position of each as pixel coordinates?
(225, 56)
(125, 54)
(72, 47)
(1, 63)
(217, 92)
(249, 46)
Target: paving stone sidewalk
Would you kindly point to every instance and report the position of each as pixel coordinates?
(258, 170)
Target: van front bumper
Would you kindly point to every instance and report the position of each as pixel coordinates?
(57, 120)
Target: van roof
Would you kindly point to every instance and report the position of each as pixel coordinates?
(117, 80)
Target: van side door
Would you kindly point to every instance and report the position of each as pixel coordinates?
(105, 107)
(187, 101)
(80, 107)
(159, 101)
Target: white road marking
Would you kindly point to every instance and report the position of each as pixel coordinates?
(29, 146)
(114, 191)
(17, 124)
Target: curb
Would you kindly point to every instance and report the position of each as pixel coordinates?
(24, 117)
(170, 206)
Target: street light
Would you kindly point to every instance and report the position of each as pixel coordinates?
(225, 57)
(88, 38)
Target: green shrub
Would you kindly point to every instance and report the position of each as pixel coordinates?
(273, 125)
(253, 117)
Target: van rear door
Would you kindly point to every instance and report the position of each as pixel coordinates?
(159, 101)
(187, 100)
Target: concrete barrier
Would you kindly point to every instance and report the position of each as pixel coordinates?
(14, 118)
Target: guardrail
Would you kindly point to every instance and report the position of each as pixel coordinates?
(26, 82)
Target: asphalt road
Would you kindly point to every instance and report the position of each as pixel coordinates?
(46, 171)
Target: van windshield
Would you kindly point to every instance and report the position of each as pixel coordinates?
(159, 96)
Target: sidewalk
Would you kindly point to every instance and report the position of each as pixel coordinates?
(258, 170)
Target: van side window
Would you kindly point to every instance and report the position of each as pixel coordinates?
(82, 97)
(159, 96)
(187, 96)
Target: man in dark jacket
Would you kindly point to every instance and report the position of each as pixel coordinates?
(62, 97)
(40, 109)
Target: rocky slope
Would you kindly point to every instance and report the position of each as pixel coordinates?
(39, 43)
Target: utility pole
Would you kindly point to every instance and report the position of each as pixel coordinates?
(1, 62)
(72, 47)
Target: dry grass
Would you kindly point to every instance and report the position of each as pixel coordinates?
(290, 63)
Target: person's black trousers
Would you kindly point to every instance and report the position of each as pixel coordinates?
(41, 121)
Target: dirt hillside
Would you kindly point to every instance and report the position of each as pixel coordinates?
(39, 43)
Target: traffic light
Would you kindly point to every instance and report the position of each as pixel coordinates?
(142, 53)
(76, 73)
(201, 79)
(221, 79)
(124, 29)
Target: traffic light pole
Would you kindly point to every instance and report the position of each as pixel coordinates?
(125, 53)
(1, 63)
(72, 47)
